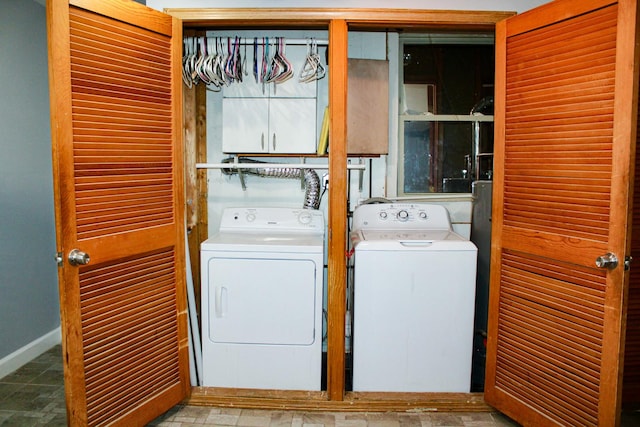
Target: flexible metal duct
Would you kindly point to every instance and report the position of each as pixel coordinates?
(311, 179)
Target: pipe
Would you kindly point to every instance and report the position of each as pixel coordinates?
(482, 107)
(311, 179)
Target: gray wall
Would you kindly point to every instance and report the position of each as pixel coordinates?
(28, 276)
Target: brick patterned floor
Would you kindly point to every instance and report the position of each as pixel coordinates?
(34, 396)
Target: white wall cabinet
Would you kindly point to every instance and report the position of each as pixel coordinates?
(269, 125)
(271, 118)
(292, 88)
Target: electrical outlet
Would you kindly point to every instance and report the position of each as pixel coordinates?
(325, 181)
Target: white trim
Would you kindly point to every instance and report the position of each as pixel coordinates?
(26, 354)
(266, 165)
(448, 38)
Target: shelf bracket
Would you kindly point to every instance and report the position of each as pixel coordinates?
(240, 174)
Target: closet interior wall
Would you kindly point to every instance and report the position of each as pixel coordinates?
(196, 187)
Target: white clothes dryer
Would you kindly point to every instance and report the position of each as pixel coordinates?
(262, 280)
(413, 302)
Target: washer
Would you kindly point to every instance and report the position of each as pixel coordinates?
(262, 277)
(413, 302)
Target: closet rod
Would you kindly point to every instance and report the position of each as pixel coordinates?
(271, 166)
(261, 40)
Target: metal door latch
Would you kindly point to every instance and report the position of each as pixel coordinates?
(59, 259)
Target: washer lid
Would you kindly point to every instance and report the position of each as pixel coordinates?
(409, 240)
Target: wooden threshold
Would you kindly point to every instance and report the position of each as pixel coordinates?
(352, 402)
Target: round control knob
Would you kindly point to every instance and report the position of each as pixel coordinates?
(305, 218)
(423, 215)
(251, 217)
(403, 215)
(383, 215)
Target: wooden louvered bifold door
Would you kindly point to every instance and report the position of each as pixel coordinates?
(631, 383)
(115, 74)
(563, 163)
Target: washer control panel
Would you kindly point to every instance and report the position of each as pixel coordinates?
(273, 219)
(391, 216)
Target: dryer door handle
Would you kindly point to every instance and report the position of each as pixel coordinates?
(221, 301)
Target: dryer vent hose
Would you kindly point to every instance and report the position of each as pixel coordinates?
(311, 179)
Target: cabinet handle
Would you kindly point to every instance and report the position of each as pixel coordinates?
(262, 141)
(274, 141)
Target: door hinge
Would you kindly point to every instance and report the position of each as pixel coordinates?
(59, 259)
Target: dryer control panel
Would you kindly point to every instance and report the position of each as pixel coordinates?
(401, 216)
(272, 219)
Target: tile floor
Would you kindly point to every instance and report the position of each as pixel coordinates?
(34, 396)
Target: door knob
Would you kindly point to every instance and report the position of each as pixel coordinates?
(77, 257)
(608, 260)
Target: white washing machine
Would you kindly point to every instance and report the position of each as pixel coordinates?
(413, 301)
(262, 280)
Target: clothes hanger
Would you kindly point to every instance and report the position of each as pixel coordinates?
(312, 69)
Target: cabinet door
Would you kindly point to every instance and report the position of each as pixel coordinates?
(292, 125)
(245, 125)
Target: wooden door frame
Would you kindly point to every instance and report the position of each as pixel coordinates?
(338, 22)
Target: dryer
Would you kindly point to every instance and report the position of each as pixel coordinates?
(413, 301)
(262, 287)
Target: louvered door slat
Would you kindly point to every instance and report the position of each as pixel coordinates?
(109, 373)
(102, 164)
(539, 120)
(120, 398)
(116, 106)
(565, 362)
(117, 300)
(587, 344)
(535, 340)
(543, 372)
(99, 120)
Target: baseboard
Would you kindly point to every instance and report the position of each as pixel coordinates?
(26, 354)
